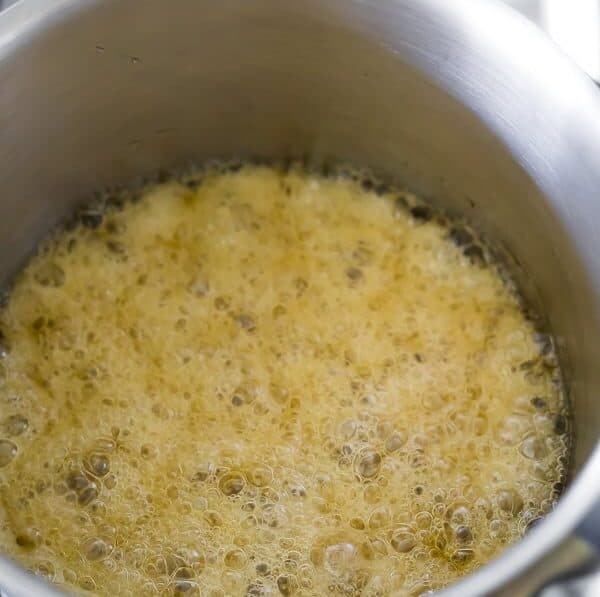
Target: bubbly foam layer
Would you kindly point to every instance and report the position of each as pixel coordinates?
(270, 383)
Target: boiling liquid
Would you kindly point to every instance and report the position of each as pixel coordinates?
(270, 383)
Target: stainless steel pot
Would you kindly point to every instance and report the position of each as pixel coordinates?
(464, 101)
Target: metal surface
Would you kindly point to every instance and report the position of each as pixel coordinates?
(574, 26)
(425, 92)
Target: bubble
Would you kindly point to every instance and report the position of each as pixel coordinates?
(245, 394)
(236, 559)
(273, 515)
(268, 494)
(88, 494)
(15, 425)
(480, 425)
(77, 480)
(403, 540)
(348, 429)
(543, 423)
(246, 322)
(221, 303)
(384, 429)
(462, 555)
(249, 522)
(4, 344)
(460, 514)
(368, 400)
(105, 445)
(395, 441)
(341, 560)
(148, 451)
(346, 450)
(116, 247)
(199, 287)
(368, 463)
(475, 254)
(98, 508)
(354, 274)
(379, 518)
(192, 558)
(205, 471)
(261, 476)
(376, 587)
(8, 451)
(96, 549)
(46, 570)
(110, 481)
(286, 584)
(509, 501)
(423, 520)
(421, 213)
(372, 494)
(464, 534)
(538, 403)
(532, 448)
(257, 589)
(262, 569)
(29, 538)
(185, 587)
(298, 490)
(513, 429)
(248, 506)
(560, 424)
(460, 236)
(98, 464)
(184, 572)
(279, 311)
(69, 575)
(358, 524)
(232, 483)
(372, 549)
(87, 583)
(91, 219)
(213, 518)
(50, 274)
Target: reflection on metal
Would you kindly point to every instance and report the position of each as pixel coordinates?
(573, 24)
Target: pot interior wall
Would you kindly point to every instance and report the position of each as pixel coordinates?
(111, 91)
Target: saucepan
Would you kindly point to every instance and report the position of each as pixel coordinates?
(463, 102)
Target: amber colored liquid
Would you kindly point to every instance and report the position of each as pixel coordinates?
(270, 384)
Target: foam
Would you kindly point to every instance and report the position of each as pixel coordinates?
(270, 383)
